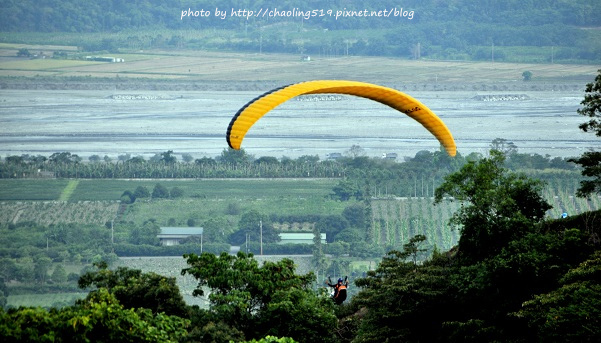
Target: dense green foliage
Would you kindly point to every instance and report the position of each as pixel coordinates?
(475, 292)
(256, 301)
(248, 301)
(99, 318)
(450, 30)
(571, 312)
(542, 285)
(134, 289)
(591, 160)
(592, 106)
(501, 206)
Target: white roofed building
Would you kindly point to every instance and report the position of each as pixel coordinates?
(175, 235)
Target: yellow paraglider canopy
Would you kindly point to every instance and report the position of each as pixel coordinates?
(258, 107)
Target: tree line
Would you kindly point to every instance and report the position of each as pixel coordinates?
(361, 176)
(231, 164)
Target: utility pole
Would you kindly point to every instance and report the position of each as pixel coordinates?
(112, 236)
(261, 232)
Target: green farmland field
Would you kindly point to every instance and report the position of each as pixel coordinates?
(103, 190)
(27, 189)
(95, 201)
(394, 220)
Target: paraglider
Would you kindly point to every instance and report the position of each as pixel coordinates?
(250, 113)
(340, 287)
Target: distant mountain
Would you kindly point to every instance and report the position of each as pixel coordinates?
(115, 15)
(400, 25)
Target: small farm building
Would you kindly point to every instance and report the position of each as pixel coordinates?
(300, 238)
(174, 235)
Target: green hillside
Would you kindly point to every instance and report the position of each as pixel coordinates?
(542, 31)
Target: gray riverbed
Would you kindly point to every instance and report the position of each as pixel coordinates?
(113, 123)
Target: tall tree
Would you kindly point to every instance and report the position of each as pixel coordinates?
(402, 301)
(258, 226)
(41, 267)
(355, 151)
(504, 146)
(318, 261)
(235, 157)
(592, 106)
(500, 205)
(135, 289)
(64, 157)
(504, 258)
(262, 300)
(591, 160)
(167, 157)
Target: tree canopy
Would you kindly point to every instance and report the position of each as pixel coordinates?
(499, 205)
(98, 318)
(475, 292)
(590, 161)
(134, 289)
(262, 300)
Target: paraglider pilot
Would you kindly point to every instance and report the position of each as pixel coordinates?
(339, 290)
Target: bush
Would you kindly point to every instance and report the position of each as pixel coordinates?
(177, 192)
(338, 248)
(160, 192)
(59, 275)
(142, 192)
(126, 200)
(232, 209)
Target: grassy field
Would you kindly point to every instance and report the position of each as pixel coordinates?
(107, 189)
(199, 65)
(22, 189)
(95, 201)
(44, 300)
(202, 209)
